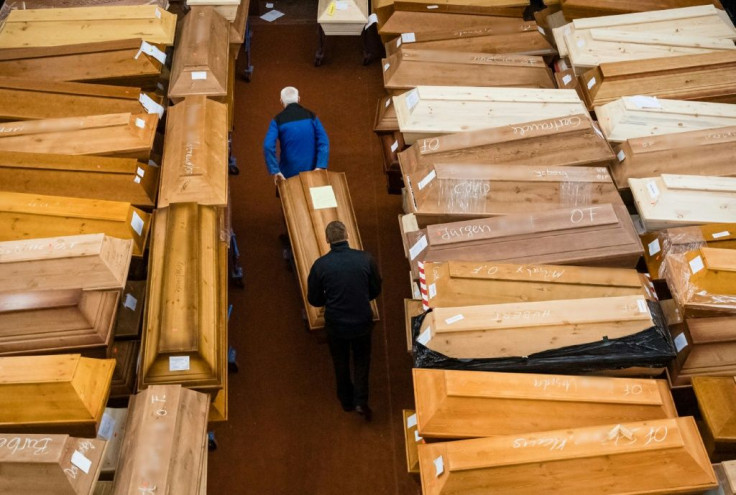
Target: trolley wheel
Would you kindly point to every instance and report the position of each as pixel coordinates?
(248, 74)
(233, 169)
(318, 58)
(211, 441)
(232, 364)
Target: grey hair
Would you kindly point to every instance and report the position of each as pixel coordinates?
(289, 95)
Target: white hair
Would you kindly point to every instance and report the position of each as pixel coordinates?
(289, 95)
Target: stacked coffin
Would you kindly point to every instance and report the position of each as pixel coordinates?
(575, 9)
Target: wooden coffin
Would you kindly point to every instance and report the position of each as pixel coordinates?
(35, 216)
(467, 404)
(717, 403)
(680, 200)
(238, 27)
(91, 261)
(342, 17)
(462, 283)
(701, 77)
(200, 64)
(385, 121)
(55, 4)
(656, 457)
(126, 354)
(429, 111)
(703, 281)
(428, 21)
(70, 26)
(705, 347)
(127, 62)
(79, 176)
(590, 236)
(411, 67)
(642, 116)
(227, 9)
(62, 392)
(575, 9)
(567, 141)
(44, 321)
(185, 322)
(310, 201)
(112, 431)
(726, 473)
(165, 442)
(49, 464)
(195, 164)
(130, 310)
(412, 308)
(411, 440)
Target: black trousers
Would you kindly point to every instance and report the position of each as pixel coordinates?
(352, 391)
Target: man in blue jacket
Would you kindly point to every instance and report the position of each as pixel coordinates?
(302, 140)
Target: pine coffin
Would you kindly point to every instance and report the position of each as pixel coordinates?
(165, 443)
(90, 262)
(79, 176)
(200, 65)
(228, 9)
(55, 4)
(195, 163)
(717, 403)
(429, 111)
(411, 67)
(35, 216)
(310, 201)
(462, 283)
(575, 9)
(656, 457)
(419, 23)
(411, 440)
(681, 200)
(468, 404)
(703, 281)
(49, 464)
(62, 392)
(185, 321)
(112, 431)
(127, 63)
(342, 17)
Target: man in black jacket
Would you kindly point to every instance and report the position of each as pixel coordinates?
(345, 281)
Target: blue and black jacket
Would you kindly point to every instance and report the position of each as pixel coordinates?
(303, 142)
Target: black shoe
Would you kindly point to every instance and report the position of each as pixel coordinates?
(364, 411)
(348, 407)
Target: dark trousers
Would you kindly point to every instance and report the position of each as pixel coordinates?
(351, 391)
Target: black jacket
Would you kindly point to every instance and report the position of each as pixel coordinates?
(344, 281)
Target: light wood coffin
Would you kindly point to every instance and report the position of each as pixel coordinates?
(228, 9)
(165, 442)
(55, 27)
(200, 64)
(704, 152)
(703, 281)
(431, 21)
(310, 201)
(195, 164)
(90, 261)
(701, 77)
(643, 116)
(185, 322)
(575, 9)
(467, 404)
(238, 26)
(342, 17)
(463, 283)
(55, 4)
(127, 62)
(35, 216)
(717, 403)
(385, 121)
(411, 67)
(656, 457)
(681, 200)
(62, 392)
(412, 308)
(78, 176)
(112, 431)
(49, 464)
(428, 111)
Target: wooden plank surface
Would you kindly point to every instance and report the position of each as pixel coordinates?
(575, 9)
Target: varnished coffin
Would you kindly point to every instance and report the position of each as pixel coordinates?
(680, 200)
(49, 464)
(463, 283)
(185, 321)
(127, 62)
(310, 201)
(130, 310)
(385, 120)
(54, 27)
(656, 457)
(717, 403)
(112, 431)
(35, 216)
(406, 21)
(77, 176)
(347, 18)
(126, 354)
(195, 164)
(429, 111)
(467, 404)
(412, 67)
(703, 282)
(118, 134)
(165, 442)
(62, 392)
(91, 261)
(239, 25)
(200, 64)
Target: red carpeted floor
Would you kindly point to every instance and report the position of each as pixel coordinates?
(286, 432)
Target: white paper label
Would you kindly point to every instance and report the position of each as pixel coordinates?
(137, 223)
(151, 50)
(150, 105)
(653, 189)
(388, 103)
(591, 83)
(718, 235)
(137, 179)
(412, 98)
(140, 123)
(140, 172)
(439, 466)
(417, 438)
(541, 30)
(427, 179)
(454, 319)
(323, 197)
(696, 264)
(408, 37)
(394, 146)
(269, 5)
(566, 79)
(418, 247)
(411, 421)
(199, 75)
(178, 363)
(680, 342)
(642, 305)
(107, 427)
(398, 42)
(157, 13)
(432, 7)
(581, 43)
(621, 155)
(432, 290)
(645, 101)
(130, 302)
(372, 19)
(425, 336)
(341, 5)
(563, 64)
(272, 15)
(79, 460)
(160, 86)
(654, 247)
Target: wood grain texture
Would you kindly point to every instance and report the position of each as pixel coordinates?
(717, 402)
(130, 310)
(575, 9)
(113, 420)
(126, 354)
(55, 4)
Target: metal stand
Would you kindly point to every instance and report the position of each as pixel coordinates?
(320, 55)
(232, 162)
(248, 71)
(236, 271)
